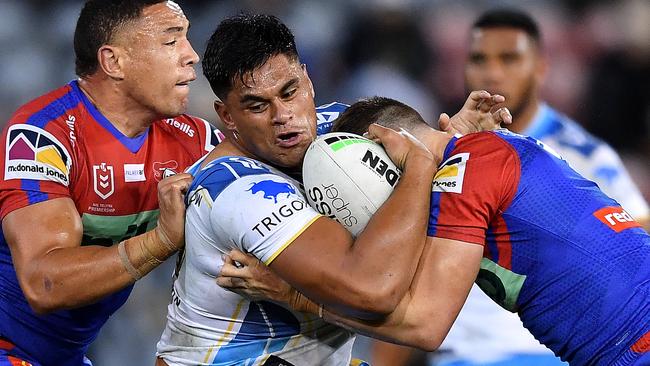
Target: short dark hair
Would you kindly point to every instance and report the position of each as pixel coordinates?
(240, 45)
(97, 24)
(509, 18)
(384, 111)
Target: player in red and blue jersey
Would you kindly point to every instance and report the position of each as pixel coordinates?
(537, 237)
(540, 240)
(90, 165)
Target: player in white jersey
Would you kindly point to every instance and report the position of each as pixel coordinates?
(241, 200)
(266, 105)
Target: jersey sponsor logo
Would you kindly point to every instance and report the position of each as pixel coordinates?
(267, 224)
(103, 180)
(272, 189)
(378, 165)
(164, 169)
(451, 174)
(70, 122)
(33, 153)
(134, 173)
(184, 127)
(616, 218)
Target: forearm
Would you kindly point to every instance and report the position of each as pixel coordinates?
(384, 257)
(76, 276)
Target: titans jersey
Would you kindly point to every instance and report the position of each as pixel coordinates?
(589, 156)
(240, 203)
(60, 145)
(566, 257)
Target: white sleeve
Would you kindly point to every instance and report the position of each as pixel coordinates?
(608, 171)
(261, 215)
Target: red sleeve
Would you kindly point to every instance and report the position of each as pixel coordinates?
(36, 164)
(472, 187)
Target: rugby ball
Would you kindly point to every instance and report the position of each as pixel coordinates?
(347, 177)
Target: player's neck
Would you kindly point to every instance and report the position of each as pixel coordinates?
(523, 118)
(127, 116)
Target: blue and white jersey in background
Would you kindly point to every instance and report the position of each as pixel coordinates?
(326, 114)
(240, 203)
(589, 156)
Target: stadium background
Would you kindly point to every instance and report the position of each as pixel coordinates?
(411, 50)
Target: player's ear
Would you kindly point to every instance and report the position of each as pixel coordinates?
(306, 75)
(223, 114)
(109, 60)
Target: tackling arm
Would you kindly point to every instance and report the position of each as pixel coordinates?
(55, 272)
(372, 273)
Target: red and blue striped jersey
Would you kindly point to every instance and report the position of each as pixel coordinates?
(566, 257)
(60, 145)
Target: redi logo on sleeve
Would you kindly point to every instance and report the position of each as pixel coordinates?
(616, 218)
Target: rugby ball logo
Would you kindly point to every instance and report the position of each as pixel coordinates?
(347, 178)
(33, 153)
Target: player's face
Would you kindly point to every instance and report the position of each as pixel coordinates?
(504, 61)
(158, 62)
(272, 112)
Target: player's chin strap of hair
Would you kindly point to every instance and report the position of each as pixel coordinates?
(146, 252)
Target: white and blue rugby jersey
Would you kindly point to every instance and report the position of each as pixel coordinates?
(236, 202)
(589, 156)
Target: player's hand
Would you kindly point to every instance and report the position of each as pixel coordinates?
(171, 222)
(479, 113)
(400, 146)
(247, 276)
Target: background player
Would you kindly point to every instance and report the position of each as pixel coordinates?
(81, 165)
(537, 237)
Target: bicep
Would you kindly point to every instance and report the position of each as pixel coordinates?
(35, 230)
(312, 263)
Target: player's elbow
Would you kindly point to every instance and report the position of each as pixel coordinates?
(426, 337)
(37, 291)
(379, 301)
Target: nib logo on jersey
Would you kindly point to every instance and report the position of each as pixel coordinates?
(33, 153)
(270, 191)
(451, 174)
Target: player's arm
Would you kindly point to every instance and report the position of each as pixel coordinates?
(372, 273)
(426, 313)
(423, 317)
(55, 272)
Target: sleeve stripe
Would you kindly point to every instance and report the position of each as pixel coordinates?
(285, 245)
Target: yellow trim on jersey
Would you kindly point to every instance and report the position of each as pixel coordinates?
(285, 245)
(225, 335)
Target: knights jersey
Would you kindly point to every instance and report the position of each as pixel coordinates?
(240, 203)
(577, 273)
(59, 145)
(589, 156)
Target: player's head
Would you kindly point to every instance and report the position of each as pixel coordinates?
(505, 57)
(383, 111)
(142, 47)
(266, 99)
